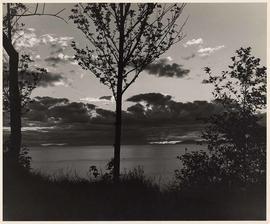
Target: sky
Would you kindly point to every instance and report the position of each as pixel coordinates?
(214, 31)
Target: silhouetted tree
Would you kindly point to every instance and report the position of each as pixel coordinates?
(124, 39)
(236, 141)
(14, 12)
(28, 79)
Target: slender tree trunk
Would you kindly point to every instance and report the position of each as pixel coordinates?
(15, 108)
(118, 115)
(117, 140)
(14, 95)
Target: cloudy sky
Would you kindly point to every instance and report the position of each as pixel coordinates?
(213, 33)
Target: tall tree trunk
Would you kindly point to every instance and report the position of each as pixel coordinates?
(118, 115)
(14, 95)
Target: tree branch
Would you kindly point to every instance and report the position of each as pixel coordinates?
(36, 8)
(45, 14)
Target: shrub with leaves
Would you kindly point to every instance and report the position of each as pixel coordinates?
(93, 171)
(24, 158)
(107, 176)
(236, 142)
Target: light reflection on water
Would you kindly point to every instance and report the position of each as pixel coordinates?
(157, 161)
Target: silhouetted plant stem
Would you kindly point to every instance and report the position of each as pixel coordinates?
(118, 121)
(14, 94)
(117, 140)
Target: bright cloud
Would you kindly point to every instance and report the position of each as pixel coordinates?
(27, 38)
(51, 39)
(93, 99)
(82, 76)
(209, 50)
(193, 42)
(64, 41)
(47, 38)
(169, 58)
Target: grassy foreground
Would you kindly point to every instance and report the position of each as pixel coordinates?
(29, 196)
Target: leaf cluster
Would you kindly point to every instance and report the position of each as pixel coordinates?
(146, 31)
(29, 77)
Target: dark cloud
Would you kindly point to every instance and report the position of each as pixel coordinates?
(57, 50)
(45, 79)
(50, 79)
(40, 106)
(105, 113)
(105, 98)
(161, 109)
(58, 59)
(53, 60)
(189, 57)
(70, 113)
(59, 110)
(150, 98)
(90, 106)
(149, 108)
(137, 109)
(161, 68)
(205, 81)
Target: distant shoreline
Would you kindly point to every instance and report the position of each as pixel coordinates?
(45, 145)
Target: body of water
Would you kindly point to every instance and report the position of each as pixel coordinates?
(157, 161)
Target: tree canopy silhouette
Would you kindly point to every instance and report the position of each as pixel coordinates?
(29, 78)
(11, 25)
(123, 39)
(236, 140)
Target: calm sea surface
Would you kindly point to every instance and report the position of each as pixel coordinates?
(158, 161)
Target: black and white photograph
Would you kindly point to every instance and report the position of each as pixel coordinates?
(134, 111)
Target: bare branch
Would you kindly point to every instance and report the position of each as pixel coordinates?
(105, 32)
(43, 13)
(17, 19)
(36, 8)
(43, 9)
(60, 12)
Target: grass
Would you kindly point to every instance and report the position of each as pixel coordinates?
(33, 197)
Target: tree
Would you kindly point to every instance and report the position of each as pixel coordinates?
(28, 79)
(124, 39)
(236, 141)
(14, 12)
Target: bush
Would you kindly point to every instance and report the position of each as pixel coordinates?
(236, 156)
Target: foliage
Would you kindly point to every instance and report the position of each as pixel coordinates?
(18, 94)
(29, 77)
(135, 176)
(19, 10)
(93, 171)
(24, 158)
(16, 9)
(132, 35)
(106, 177)
(124, 38)
(134, 198)
(236, 142)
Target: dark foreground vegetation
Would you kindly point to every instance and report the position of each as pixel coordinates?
(29, 196)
